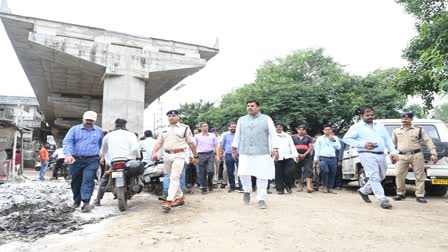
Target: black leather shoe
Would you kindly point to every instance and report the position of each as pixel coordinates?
(421, 200)
(75, 205)
(163, 197)
(87, 208)
(288, 189)
(365, 197)
(386, 204)
(204, 190)
(280, 193)
(399, 197)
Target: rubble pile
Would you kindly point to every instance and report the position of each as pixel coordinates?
(33, 209)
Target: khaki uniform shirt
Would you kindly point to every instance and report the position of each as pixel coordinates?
(407, 139)
(172, 137)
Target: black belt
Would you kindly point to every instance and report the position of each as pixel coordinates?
(409, 152)
(85, 157)
(327, 157)
(372, 152)
(208, 152)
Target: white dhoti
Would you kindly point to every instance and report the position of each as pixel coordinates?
(260, 166)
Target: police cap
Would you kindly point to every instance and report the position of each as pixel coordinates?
(407, 115)
(172, 112)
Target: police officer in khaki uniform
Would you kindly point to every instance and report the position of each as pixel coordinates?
(174, 138)
(407, 140)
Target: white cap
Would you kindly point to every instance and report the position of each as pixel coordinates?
(89, 115)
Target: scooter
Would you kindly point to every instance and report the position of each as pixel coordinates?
(153, 177)
(126, 180)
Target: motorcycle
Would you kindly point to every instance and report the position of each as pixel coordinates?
(153, 177)
(125, 180)
(64, 172)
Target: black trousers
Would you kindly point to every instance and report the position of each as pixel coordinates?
(190, 175)
(284, 174)
(57, 166)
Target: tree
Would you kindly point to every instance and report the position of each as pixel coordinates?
(377, 90)
(308, 87)
(418, 110)
(427, 71)
(191, 112)
(441, 112)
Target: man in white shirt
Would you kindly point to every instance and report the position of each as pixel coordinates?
(59, 156)
(146, 147)
(325, 155)
(118, 143)
(284, 160)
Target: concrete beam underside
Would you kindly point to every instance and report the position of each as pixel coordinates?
(76, 68)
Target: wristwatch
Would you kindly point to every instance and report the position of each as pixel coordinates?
(196, 157)
(334, 140)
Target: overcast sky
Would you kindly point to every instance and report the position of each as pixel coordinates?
(363, 35)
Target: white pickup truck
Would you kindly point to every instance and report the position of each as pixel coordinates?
(437, 174)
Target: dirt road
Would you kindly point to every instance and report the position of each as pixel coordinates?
(220, 221)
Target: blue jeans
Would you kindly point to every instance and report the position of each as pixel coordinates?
(230, 163)
(83, 173)
(166, 181)
(328, 167)
(43, 169)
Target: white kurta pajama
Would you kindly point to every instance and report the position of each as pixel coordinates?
(254, 140)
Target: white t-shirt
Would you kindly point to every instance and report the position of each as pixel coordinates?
(120, 143)
(59, 153)
(146, 147)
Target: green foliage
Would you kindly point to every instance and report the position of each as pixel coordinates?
(305, 87)
(192, 113)
(427, 71)
(378, 91)
(418, 110)
(441, 112)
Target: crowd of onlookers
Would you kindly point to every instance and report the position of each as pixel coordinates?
(221, 170)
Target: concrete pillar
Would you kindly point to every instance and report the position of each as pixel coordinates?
(123, 97)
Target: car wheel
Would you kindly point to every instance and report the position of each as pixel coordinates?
(362, 177)
(437, 190)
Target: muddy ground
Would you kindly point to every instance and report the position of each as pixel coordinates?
(220, 221)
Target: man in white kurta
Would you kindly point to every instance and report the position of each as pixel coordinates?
(253, 140)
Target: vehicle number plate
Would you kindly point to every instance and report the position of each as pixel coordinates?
(117, 174)
(439, 181)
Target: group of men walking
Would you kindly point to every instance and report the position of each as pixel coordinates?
(259, 148)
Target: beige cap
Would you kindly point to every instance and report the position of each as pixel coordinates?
(89, 115)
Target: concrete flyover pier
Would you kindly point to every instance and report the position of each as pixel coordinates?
(74, 68)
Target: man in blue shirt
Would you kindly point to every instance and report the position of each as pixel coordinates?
(226, 145)
(371, 138)
(325, 155)
(81, 149)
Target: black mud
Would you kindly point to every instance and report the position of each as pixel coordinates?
(33, 209)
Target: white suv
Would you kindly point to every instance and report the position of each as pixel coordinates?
(437, 174)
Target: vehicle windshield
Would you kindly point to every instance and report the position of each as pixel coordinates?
(431, 130)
